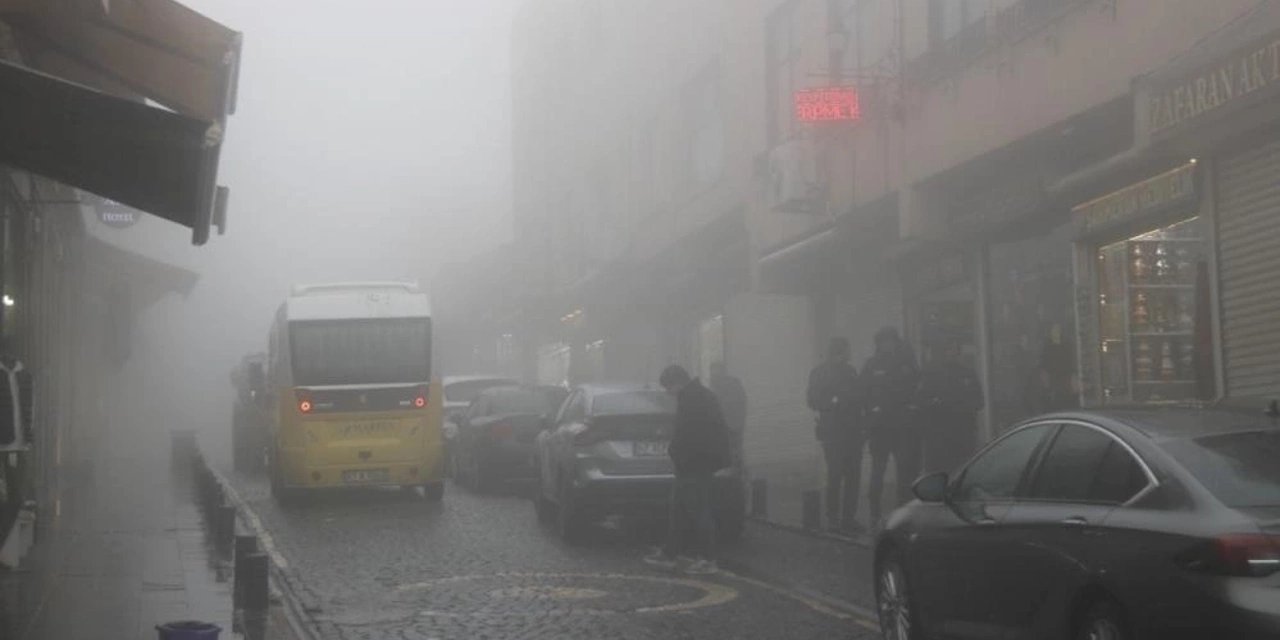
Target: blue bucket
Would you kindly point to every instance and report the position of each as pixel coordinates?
(188, 630)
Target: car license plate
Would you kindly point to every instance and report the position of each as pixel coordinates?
(646, 449)
(365, 476)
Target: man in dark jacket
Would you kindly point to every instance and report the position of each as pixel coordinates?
(889, 381)
(733, 401)
(948, 401)
(833, 393)
(699, 448)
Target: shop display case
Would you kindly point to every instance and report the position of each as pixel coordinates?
(1148, 310)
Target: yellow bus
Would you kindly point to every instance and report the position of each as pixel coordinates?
(349, 383)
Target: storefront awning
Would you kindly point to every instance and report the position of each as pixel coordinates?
(76, 100)
(154, 160)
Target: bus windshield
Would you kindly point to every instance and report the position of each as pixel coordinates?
(343, 352)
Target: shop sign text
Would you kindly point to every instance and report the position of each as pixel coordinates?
(1227, 82)
(1150, 195)
(828, 104)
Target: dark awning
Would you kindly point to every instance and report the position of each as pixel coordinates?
(148, 158)
(76, 92)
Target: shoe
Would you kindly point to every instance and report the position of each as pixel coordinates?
(702, 567)
(659, 558)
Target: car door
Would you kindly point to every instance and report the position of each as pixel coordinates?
(466, 425)
(1058, 527)
(951, 546)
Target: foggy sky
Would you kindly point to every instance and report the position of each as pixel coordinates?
(371, 141)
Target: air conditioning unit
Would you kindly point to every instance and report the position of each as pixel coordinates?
(794, 184)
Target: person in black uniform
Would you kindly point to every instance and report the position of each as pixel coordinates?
(889, 381)
(834, 394)
(948, 402)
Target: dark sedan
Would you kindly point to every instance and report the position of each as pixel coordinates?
(1106, 525)
(496, 434)
(606, 454)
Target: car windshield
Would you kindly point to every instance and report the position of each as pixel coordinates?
(466, 391)
(1240, 469)
(633, 403)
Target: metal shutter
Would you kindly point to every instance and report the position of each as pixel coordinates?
(1249, 245)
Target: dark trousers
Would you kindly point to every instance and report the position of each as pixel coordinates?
(902, 442)
(844, 479)
(691, 512)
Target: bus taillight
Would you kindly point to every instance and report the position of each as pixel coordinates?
(304, 400)
(420, 400)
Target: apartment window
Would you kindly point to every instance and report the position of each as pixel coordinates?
(948, 18)
(704, 115)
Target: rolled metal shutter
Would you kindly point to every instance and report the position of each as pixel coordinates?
(1248, 212)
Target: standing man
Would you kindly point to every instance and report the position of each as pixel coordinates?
(948, 401)
(733, 402)
(889, 380)
(699, 448)
(833, 394)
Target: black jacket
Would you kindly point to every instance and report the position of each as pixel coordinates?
(835, 395)
(889, 383)
(733, 401)
(700, 441)
(950, 388)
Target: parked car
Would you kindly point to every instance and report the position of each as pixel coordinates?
(496, 434)
(459, 392)
(1111, 525)
(605, 453)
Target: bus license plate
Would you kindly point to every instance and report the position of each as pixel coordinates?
(365, 476)
(648, 449)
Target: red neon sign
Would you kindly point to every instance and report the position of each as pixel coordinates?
(828, 104)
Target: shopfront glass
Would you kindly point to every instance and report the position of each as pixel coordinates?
(1153, 315)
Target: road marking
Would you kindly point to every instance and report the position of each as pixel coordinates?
(264, 537)
(713, 593)
(808, 601)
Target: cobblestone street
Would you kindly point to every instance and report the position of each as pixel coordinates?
(391, 565)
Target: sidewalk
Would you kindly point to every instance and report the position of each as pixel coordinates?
(123, 550)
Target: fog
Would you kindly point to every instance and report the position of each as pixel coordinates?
(370, 142)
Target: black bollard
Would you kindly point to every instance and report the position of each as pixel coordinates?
(256, 592)
(811, 500)
(243, 548)
(760, 498)
(224, 526)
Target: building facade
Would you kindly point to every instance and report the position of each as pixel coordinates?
(1079, 193)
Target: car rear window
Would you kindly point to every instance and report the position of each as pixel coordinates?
(468, 390)
(529, 401)
(1240, 469)
(632, 402)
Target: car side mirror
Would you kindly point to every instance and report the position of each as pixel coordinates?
(932, 488)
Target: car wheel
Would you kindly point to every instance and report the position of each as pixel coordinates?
(893, 602)
(1102, 621)
(434, 492)
(281, 494)
(569, 521)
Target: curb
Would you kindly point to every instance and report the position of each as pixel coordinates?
(863, 541)
(304, 627)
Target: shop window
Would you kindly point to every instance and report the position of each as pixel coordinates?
(1155, 341)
